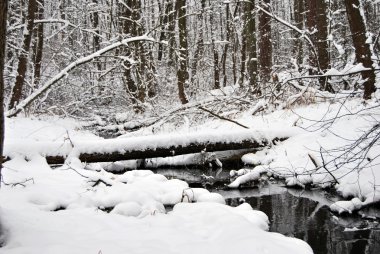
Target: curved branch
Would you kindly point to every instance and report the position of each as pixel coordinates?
(63, 73)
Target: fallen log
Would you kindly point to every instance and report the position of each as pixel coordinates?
(111, 150)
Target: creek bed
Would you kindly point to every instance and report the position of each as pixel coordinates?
(303, 214)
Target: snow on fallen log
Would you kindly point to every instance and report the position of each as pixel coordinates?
(109, 150)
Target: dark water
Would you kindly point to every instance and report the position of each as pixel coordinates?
(312, 222)
(301, 214)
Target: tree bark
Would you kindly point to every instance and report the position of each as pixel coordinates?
(225, 50)
(298, 20)
(214, 51)
(3, 32)
(311, 24)
(249, 41)
(164, 23)
(96, 37)
(39, 45)
(182, 72)
(265, 43)
(23, 58)
(362, 50)
(322, 45)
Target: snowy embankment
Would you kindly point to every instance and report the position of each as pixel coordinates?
(338, 147)
(80, 208)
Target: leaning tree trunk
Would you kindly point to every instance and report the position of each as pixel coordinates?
(362, 50)
(3, 28)
(23, 58)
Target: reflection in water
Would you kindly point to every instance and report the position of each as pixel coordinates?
(298, 213)
(305, 219)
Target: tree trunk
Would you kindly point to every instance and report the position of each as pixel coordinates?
(199, 45)
(153, 147)
(362, 50)
(249, 39)
(164, 23)
(39, 45)
(182, 72)
(214, 51)
(225, 51)
(3, 32)
(127, 29)
(171, 28)
(311, 24)
(265, 43)
(96, 37)
(298, 20)
(322, 45)
(23, 58)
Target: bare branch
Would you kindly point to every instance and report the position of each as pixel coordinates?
(26, 102)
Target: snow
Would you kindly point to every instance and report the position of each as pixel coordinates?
(251, 175)
(346, 206)
(354, 68)
(64, 210)
(77, 201)
(70, 145)
(327, 125)
(332, 72)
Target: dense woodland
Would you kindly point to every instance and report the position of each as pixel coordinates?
(85, 57)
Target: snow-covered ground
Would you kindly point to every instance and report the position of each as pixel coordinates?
(81, 208)
(341, 138)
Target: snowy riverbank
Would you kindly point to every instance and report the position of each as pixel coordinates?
(83, 209)
(80, 208)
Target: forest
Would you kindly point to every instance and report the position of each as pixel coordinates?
(189, 117)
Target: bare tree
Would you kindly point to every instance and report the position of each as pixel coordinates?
(298, 19)
(214, 51)
(362, 50)
(23, 58)
(182, 72)
(265, 43)
(249, 46)
(322, 45)
(317, 25)
(39, 43)
(3, 28)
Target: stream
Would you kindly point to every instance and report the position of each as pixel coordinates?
(303, 214)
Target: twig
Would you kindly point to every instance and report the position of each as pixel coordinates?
(19, 183)
(324, 166)
(222, 117)
(314, 161)
(97, 182)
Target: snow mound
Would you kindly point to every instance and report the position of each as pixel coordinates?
(346, 206)
(80, 208)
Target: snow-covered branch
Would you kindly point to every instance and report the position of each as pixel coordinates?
(23, 104)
